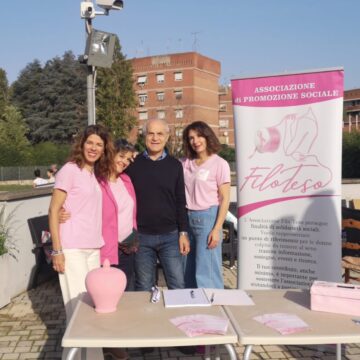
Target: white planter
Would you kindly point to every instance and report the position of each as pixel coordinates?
(4, 280)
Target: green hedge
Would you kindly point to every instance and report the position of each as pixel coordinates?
(49, 153)
(351, 155)
(45, 153)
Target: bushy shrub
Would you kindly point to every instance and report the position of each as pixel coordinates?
(351, 155)
(227, 153)
(49, 153)
(7, 224)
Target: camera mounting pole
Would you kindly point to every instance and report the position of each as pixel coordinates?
(90, 82)
(87, 12)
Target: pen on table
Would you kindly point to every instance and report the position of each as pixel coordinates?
(212, 297)
(155, 294)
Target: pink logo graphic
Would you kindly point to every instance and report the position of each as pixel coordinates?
(299, 132)
(300, 170)
(267, 139)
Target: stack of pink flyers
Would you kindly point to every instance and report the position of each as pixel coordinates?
(199, 324)
(284, 323)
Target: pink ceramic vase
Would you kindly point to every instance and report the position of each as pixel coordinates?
(105, 286)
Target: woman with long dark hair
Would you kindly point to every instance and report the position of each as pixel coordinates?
(77, 242)
(207, 188)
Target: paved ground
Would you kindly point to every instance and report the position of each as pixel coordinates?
(31, 327)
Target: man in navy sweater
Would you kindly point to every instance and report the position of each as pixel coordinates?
(161, 210)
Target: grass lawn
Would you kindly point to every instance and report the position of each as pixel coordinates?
(15, 187)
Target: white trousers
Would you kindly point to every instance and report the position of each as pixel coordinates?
(78, 262)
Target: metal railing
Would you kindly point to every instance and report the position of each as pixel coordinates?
(20, 173)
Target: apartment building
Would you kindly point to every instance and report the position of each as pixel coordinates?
(184, 87)
(351, 120)
(180, 88)
(226, 117)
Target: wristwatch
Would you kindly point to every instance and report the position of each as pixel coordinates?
(183, 233)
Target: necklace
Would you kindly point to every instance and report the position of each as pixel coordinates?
(200, 161)
(89, 168)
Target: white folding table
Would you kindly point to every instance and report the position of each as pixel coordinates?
(138, 323)
(325, 328)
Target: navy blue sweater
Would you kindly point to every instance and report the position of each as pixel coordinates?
(160, 194)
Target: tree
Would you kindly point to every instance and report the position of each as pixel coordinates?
(64, 97)
(26, 95)
(115, 97)
(52, 99)
(4, 91)
(227, 153)
(14, 146)
(177, 126)
(140, 144)
(351, 155)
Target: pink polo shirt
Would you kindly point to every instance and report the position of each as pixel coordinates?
(202, 182)
(84, 202)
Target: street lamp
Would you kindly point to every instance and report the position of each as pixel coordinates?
(99, 49)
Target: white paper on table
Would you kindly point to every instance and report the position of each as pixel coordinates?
(185, 297)
(284, 323)
(228, 297)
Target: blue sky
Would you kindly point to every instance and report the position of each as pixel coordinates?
(248, 37)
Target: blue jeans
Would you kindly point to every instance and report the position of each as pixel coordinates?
(203, 266)
(127, 265)
(166, 248)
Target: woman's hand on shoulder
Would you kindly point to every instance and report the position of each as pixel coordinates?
(134, 155)
(64, 216)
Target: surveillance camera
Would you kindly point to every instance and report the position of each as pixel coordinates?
(87, 10)
(110, 4)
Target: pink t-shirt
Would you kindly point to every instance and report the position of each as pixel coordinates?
(202, 182)
(84, 202)
(125, 206)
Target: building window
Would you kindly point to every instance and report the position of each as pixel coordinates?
(160, 96)
(178, 76)
(222, 107)
(143, 115)
(161, 114)
(142, 99)
(179, 131)
(141, 80)
(179, 114)
(224, 123)
(224, 139)
(160, 78)
(178, 94)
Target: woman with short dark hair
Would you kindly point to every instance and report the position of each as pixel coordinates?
(119, 214)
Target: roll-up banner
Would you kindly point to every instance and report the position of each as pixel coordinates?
(288, 147)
